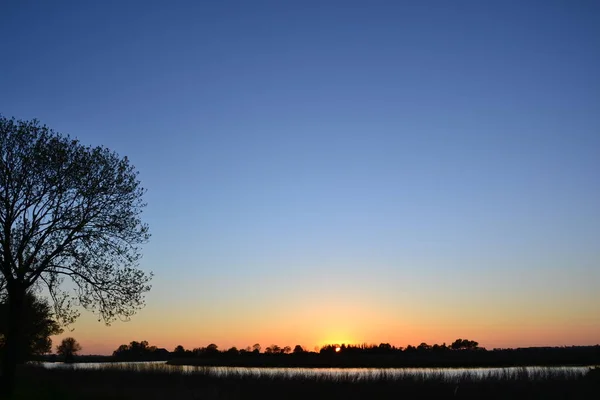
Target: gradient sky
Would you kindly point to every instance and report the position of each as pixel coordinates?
(337, 171)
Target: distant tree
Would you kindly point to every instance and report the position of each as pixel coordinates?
(256, 348)
(122, 348)
(121, 351)
(286, 350)
(385, 348)
(67, 211)
(464, 344)
(179, 351)
(423, 347)
(233, 351)
(68, 348)
(328, 348)
(212, 349)
(437, 348)
(197, 351)
(298, 349)
(140, 351)
(38, 325)
(273, 349)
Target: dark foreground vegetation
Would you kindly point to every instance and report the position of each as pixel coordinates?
(126, 382)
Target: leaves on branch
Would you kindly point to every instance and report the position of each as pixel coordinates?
(68, 211)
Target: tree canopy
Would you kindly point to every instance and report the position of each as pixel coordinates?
(39, 324)
(68, 348)
(67, 212)
(70, 211)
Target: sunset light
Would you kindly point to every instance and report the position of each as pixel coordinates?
(302, 185)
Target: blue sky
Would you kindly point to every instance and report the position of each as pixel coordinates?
(413, 155)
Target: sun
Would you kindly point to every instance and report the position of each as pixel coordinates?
(337, 349)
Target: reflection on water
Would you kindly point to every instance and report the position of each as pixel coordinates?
(329, 373)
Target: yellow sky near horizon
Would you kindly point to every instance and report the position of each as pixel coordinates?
(335, 324)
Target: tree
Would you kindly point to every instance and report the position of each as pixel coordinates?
(179, 351)
(138, 351)
(68, 348)
(273, 349)
(423, 347)
(256, 348)
(233, 351)
(286, 350)
(385, 348)
(212, 348)
(298, 349)
(67, 212)
(464, 344)
(38, 326)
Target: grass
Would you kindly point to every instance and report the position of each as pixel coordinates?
(129, 381)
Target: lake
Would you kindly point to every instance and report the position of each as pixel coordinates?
(327, 373)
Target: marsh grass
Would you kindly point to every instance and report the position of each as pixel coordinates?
(158, 381)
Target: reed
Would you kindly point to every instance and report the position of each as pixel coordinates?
(158, 381)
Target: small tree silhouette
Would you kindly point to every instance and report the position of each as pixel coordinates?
(273, 349)
(212, 349)
(298, 349)
(464, 344)
(67, 348)
(179, 350)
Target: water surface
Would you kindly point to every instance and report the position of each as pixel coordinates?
(330, 373)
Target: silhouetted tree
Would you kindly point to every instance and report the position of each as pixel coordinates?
(298, 349)
(385, 348)
(256, 348)
(38, 326)
(212, 349)
(273, 349)
(233, 351)
(438, 348)
(423, 347)
(66, 211)
(464, 344)
(286, 350)
(179, 351)
(68, 348)
(328, 348)
(139, 351)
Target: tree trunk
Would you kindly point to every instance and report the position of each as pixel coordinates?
(12, 344)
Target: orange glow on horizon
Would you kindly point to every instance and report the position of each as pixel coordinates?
(313, 326)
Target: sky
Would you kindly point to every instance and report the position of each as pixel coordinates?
(336, 171)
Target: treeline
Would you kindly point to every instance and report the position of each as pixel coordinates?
(140, 351)
(460, 353)
(143, 351)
